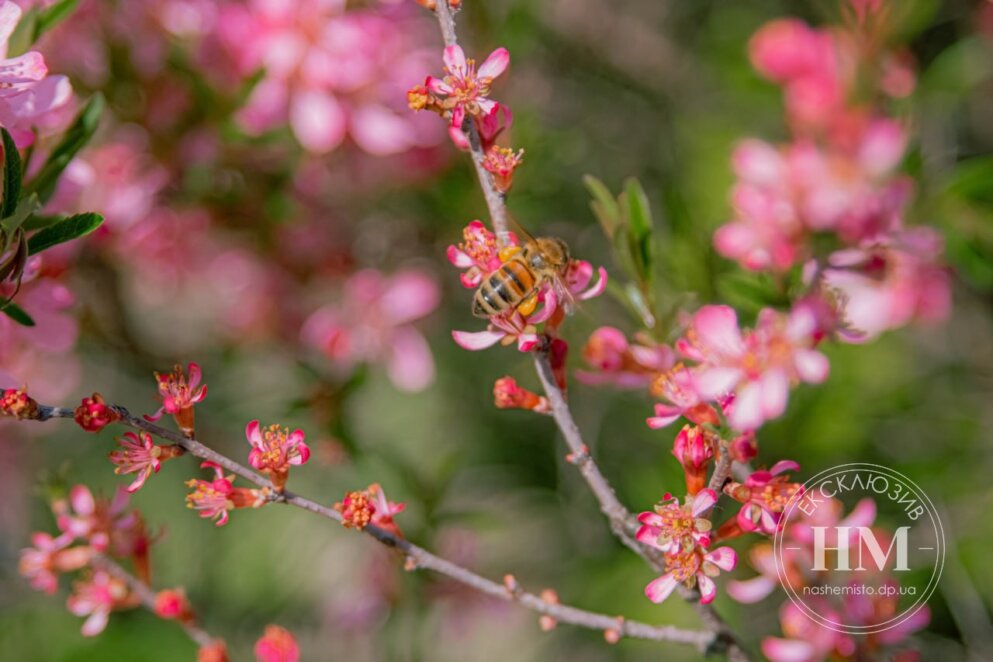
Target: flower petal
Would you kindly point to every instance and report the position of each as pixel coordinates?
(703, 501)
(495, 64)
(708, 589)
(478, 340)
(749, 591)
(318, 121)
(724, 558)
(660, 589)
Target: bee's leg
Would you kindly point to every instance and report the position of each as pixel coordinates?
(528, 306)
(508, 252)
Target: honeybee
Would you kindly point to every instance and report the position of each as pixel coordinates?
(525, 270)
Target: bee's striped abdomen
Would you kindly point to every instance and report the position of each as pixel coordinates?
(504, 289)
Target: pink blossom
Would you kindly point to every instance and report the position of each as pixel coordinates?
(138, 454)
(119, 178)
(673, 527)
(508, 394)
(105, 525)
(94, 414)
(462, 89)
(95, 598)
(274, 449)
(173, 604)
(763, 496)
(890, 284)
(783, 195)
(360, 508)
(694, 448)
(797, 549)
(807, 640)
(40, 355)
(214, 499)
(179, 394)
(677, 389)
(29, 94)
(329, 72)
(373, 323)
(478, 254)
(616, 361)
(758, 366)
(277, 645)
(694, 566)
(48, 557)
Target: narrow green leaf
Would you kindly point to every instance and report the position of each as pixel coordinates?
(604, 205)
(23, 35)
(16, 313)
(639, 217)
(75, 138)
(11, 175)
(39, 221)
(65, 230)
(53, 15)
(25, 208)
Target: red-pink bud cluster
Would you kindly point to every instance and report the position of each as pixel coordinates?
(94, 414)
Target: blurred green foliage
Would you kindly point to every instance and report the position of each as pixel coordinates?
(657, 91)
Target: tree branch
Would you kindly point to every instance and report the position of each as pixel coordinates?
(418, 556)
(495, 201)
(622, 523)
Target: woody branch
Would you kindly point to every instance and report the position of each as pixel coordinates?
(418, 557)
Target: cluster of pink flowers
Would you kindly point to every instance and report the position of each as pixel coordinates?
(479, 256)
(743, 375)
(372, 323)
(88, 526)
(804, 639)
(462, 95)
(328, 72)
(837, 179)
(682, 533)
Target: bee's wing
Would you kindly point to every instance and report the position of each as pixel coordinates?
(564, 296)
(523, 236)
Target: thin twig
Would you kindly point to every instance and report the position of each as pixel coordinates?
(146, 595)
(622, 523)
(495, 201)
(419, 557)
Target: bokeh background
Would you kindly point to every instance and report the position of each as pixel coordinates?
(223, 239)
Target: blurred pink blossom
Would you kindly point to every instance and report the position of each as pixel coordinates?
(40, 356)
(758, 366)
(95, 598)
(614, 360)
(372, 323)
(27, 92)
(328, 72)
(889, 284)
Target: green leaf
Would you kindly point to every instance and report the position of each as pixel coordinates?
(23, 35)
(16, 313)
(39, 221)
(604, 205)
(52, 16)
(11, 175)
(25, 208)
(65, 230)
(640, 227)
(75, 138)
